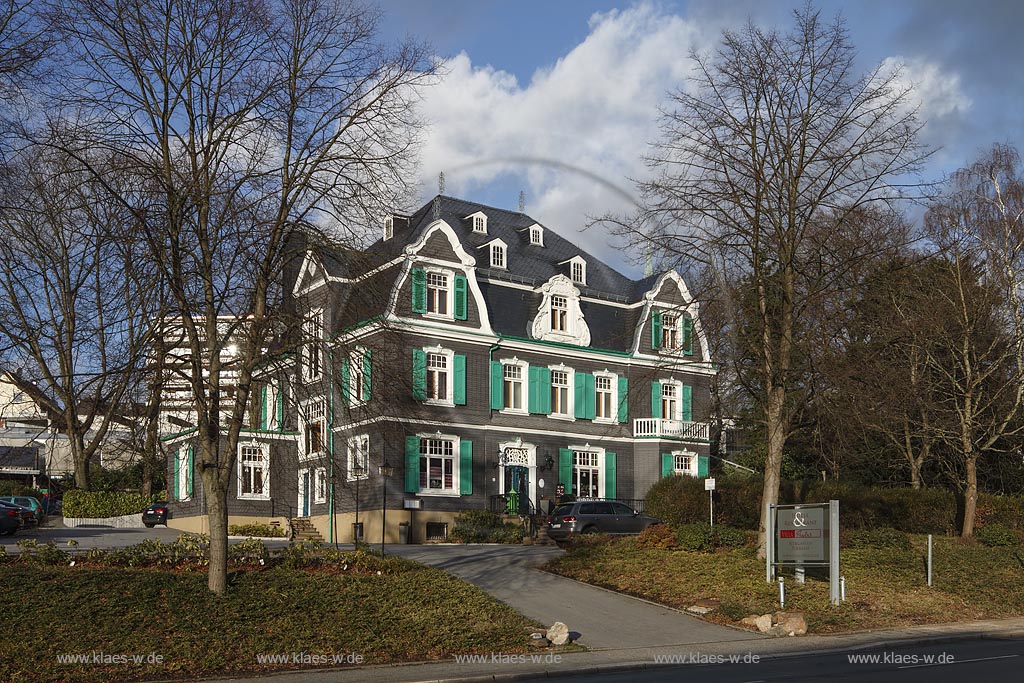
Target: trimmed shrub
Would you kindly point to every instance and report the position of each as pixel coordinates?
(657, 536)
(877, 538)
(695, 537)
(483, 526)
(729, 537)
(683, 500)
(994, 535)
(261, 530)
(78, 503)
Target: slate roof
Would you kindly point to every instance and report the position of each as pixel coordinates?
(528, 263)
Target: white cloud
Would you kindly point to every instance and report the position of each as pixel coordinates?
(595, 109)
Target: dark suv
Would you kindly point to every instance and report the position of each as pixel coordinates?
(594, 517)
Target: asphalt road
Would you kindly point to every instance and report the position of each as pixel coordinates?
(601, 619)
(95, 537)
(970, 660)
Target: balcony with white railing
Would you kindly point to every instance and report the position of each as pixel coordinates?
(660, 428)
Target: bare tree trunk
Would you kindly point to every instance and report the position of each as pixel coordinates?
(970, 496)
(217, 514)
(776, 428)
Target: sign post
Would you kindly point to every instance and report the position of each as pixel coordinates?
(709, 486)
(805, 536)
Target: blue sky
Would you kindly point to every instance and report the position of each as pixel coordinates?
(581, 82)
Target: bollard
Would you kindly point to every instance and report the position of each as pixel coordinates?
(929, 559)
(782, 592)
(842, 588)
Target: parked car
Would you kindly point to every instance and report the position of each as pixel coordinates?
(10, 521)
(155, 514)
(27, 502)
(595, 516)
(23, 515)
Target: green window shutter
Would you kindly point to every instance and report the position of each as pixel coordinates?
(412, 464)
(419, 290)
(465, 467)
(545, 390)
(346, 379)
(460, 297)
(459, 380)
(655, 399)
(367, 369)
(688, 336)
(174, 476)
(190, 471)
(609, 474)
(565, 468)
(539, 397)
(702, 465)
(419, 375)
(656, 330)
(263, 407)
(497, 377)
(623, 399)
(590, 393)
(687, 403)
(668, 465)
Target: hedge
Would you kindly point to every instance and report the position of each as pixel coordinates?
(482, 526)
(78, 503)
(683, 500)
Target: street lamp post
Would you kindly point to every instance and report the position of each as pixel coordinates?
(386, 470)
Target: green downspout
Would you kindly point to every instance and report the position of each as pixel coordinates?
(490, 359)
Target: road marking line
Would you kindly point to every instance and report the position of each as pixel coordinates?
(959, 661)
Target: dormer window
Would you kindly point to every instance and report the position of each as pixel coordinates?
(497, 256)
(389, 227)
(559, 314)
(478, 221)
(579, 271)
(537, 235)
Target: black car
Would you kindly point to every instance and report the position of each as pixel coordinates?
(595, 516)
(27, 515)
(155, 514)
(11, 519)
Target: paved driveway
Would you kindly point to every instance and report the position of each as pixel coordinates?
(602, 619)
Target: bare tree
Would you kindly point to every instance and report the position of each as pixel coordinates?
(75, 308)
(762, 164)
(255, 121)
(980, 222)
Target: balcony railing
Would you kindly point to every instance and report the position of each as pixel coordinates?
(660, 428)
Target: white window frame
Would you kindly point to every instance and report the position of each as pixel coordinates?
(355, 377)
(479, 223)
(389, 227)
(578, 271)
(598, 466)
(524, 375)
(562, 316)
(689, 462)
(449, 293)
(320, 485)
(537, 235)
(613, 383)
(262, 464)
(274, 389)
(181, 461)
(358, 449)
(499, 256)
(678, 399)
(304, 422)
(454, 457)
(570, 376)
(313, 334)
(449, 357)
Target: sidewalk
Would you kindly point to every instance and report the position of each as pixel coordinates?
(610, 660)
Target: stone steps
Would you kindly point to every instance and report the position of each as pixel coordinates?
(303, 530)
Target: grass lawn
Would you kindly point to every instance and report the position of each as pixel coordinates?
(408, 612)
(884, 588)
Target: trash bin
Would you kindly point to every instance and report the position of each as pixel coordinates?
(403, 532)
